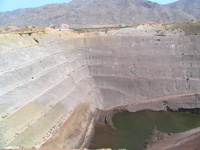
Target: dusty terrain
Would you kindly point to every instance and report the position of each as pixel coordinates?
(181, 141)
(55, 85)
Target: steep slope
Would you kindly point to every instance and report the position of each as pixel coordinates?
(55, 86)
(192, 7)
(96, 12)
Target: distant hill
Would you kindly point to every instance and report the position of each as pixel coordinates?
(191, 7)
(102, 12)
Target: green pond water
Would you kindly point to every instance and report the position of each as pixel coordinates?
(134, 128)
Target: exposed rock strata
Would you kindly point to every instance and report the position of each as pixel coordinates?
(55, 85)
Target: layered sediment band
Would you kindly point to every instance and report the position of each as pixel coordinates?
(53, 85)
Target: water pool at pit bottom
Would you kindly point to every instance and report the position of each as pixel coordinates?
(132, 129)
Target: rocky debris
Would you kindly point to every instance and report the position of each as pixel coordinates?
(176, 28)
(173, 32)
(134, 31)
(28, 29)
(189, 28)
(61, 26)
(8, 29)
(154, 136)
(146, 31)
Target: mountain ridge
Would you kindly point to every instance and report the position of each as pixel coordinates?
(189, 6)
(100, 12)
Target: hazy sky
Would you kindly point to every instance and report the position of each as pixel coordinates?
(8, 5)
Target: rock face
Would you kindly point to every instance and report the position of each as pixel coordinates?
(55, 84)
(102, 12)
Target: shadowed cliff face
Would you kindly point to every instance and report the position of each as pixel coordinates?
(54, 84)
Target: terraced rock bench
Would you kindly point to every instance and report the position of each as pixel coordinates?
(54, 86)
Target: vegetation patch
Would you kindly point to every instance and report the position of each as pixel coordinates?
(83, 30)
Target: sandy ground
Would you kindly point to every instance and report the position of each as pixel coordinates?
(189, 140)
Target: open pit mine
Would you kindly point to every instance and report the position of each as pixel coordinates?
(56, 85)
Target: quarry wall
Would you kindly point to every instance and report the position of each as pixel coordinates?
(53, 85)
